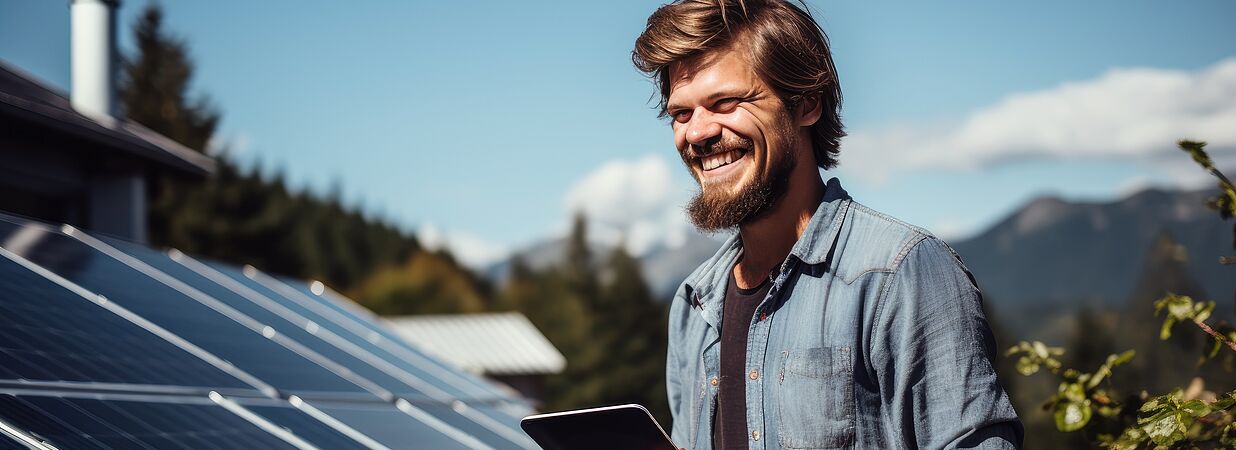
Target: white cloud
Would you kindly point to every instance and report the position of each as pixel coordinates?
(1127, 113)
(468, 249)
(633, 200)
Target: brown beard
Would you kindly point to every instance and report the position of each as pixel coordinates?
(715, 210)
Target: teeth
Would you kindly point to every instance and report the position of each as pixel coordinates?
(714, 161)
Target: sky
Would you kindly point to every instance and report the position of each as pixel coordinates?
(482, 125)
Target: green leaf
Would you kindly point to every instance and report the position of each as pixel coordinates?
(1196, 408)
(1196, 150)
(1225, 402)
(1027, 366)
(1166, 429)
(1166, 331)
(1072, 416)
(1130, 439)
(1202, 310)
(1040, 350)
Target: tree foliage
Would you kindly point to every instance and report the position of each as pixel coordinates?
(604, 320)
(236, 215)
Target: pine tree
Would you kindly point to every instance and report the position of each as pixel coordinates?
(240, 216)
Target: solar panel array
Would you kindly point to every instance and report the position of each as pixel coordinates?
(109, 344)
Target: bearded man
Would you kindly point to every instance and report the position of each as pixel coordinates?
(821, 323)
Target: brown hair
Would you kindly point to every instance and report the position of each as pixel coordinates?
(784, 44)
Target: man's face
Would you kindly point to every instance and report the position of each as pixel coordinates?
(735, 136)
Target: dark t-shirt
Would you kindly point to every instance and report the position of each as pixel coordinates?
(730, 422)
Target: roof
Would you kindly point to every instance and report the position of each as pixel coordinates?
(491, 343)
(23, 97)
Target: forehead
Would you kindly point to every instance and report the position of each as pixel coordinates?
(718, 72)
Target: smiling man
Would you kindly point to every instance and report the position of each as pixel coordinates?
(821, 323)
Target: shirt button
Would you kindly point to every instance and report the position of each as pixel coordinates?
(755, 435)
(755, 375)
(713, 381)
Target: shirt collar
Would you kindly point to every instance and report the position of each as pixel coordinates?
(706, 286)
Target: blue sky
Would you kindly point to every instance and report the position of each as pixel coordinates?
(490, 121)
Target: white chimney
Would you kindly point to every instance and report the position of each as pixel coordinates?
(93, 91)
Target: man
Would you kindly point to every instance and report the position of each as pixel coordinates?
(821, 323)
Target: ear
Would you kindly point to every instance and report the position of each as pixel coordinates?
(808, 111)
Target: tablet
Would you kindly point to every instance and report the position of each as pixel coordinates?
(621, 427)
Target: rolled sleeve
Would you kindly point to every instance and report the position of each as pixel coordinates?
(932, 353)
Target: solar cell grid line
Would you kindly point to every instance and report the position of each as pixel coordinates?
(371, 332)
(320, 377)
(46, 429)
(89, 425)
(124, 350)
(266, 311)
(175, 311)
(490, 431)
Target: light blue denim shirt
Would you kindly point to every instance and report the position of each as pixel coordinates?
(872, 336)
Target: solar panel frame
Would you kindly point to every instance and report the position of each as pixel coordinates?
(13, 436)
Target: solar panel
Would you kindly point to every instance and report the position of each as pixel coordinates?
(68, 422)
(356, 355)
(306, 427)
(264, 310)
(363, 327)
(110, 344)
(243, 342)
(53, 334)
(394, 428)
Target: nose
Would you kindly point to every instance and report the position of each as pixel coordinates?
(702, 127)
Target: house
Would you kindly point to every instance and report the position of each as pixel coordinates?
(505, 347)
(68, 158)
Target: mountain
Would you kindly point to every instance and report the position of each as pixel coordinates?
(664, 267)
(1056, 254)
(1051, 256)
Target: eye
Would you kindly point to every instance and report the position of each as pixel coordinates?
(725, 105)
(681, 116)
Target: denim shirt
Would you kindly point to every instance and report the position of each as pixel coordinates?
(871, 336)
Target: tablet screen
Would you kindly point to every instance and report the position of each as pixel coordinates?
(623, 427)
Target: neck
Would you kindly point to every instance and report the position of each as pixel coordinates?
(767, 240)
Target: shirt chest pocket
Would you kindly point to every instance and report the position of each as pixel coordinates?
(815, 398)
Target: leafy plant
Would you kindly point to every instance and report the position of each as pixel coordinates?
(1184, 418)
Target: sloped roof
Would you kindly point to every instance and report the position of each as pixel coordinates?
(25, 98)
(491, 343)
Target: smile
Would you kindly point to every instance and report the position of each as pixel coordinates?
(713, 162)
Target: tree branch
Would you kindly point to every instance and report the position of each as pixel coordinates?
(1230, 344)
